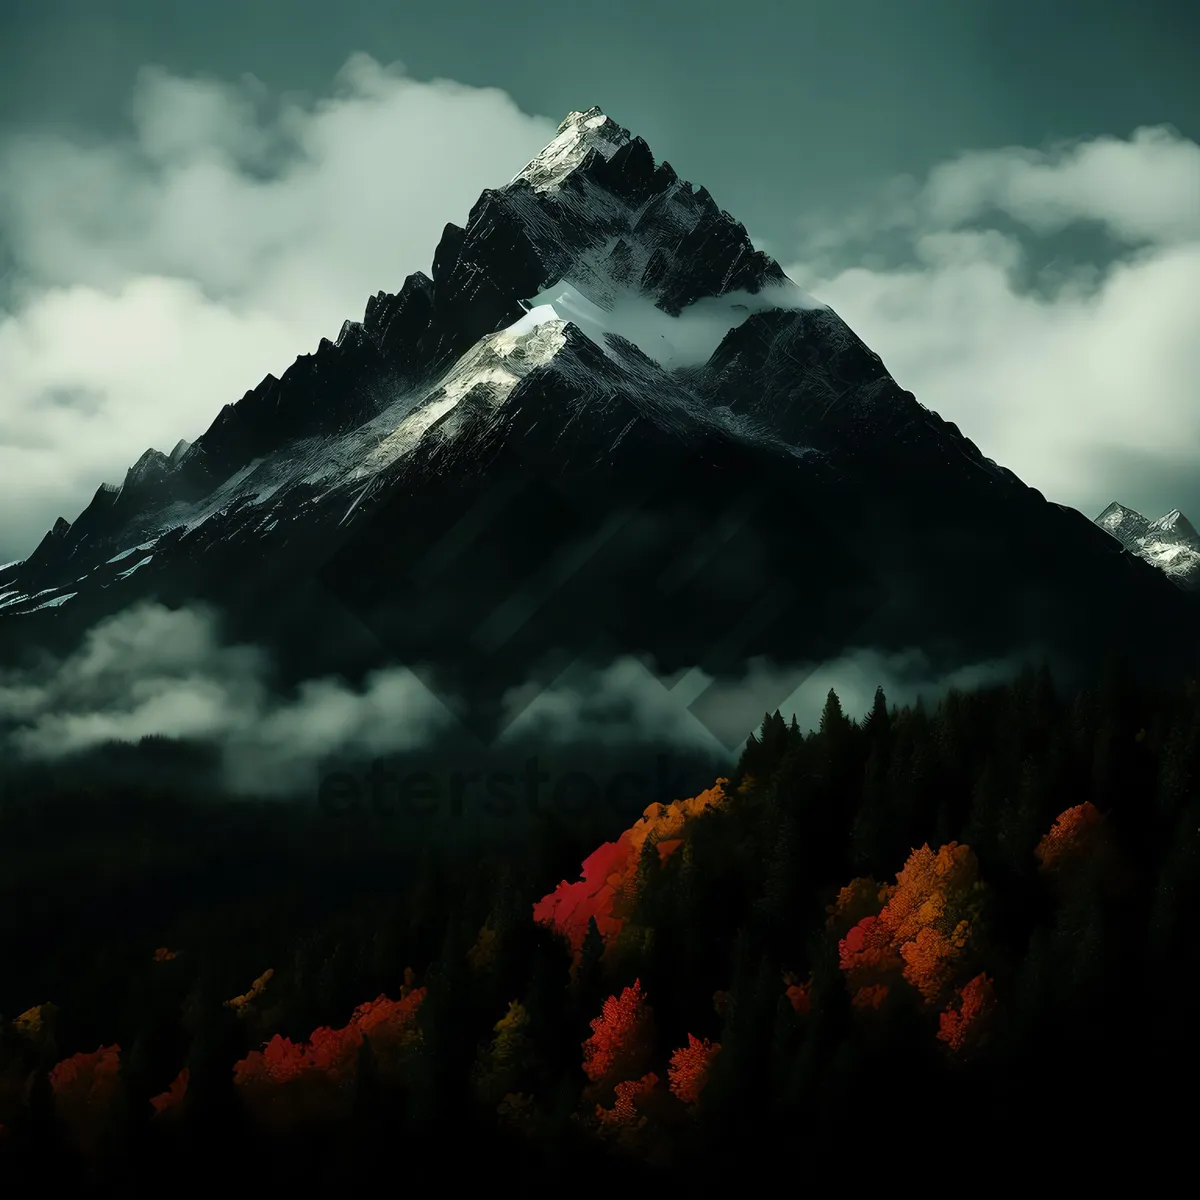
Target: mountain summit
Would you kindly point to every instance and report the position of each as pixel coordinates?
(604, 424)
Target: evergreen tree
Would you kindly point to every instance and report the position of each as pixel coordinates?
(764, 752)
(589, 973)
(878, 721)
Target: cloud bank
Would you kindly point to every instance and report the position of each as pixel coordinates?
(1046, 302)
(152, 671)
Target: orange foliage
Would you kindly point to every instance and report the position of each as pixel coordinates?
(965, 1023)
(604, 890)
(690, 1065)
(860, 898)
(622, 1037)
(800, 994)
(172, 1098)
(162, 954)
(924, 927)
(256, 989)
(931, 959)
(870, 997)
(624, 1113)
(1076, 833)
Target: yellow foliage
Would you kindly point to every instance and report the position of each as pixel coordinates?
(34, 1022)
(256, 989)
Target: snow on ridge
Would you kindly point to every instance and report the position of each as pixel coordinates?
(580, 133)
(497, 362)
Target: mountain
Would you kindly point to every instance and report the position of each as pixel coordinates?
(604, 424)
(1170, 543)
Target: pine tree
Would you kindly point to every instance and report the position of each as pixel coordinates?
(589, 971)
(764, 752)
(834, 722)
(878, 721)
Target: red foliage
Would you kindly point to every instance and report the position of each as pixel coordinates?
(965, 1024)
(85, 1088)
(172, 1098)
(867, 953)
(624, 1113)
(800, 994)
(333, 1052)
(690, 1065)
(570, 906)
(622, 1037)
(608, 872)
(87, 1079)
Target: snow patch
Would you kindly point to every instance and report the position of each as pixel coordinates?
(132, 550)
(140, 563)
(55, 602)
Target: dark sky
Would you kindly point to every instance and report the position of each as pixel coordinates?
(1041, 297)
(823, 100)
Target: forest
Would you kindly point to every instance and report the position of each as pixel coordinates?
(931, 944)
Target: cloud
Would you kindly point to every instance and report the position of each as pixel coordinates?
(155, 672)
(152, 671)
(1044, 301)
(156, 279)
(688, 339)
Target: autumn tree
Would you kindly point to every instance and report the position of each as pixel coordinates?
(171, 1101)
(1077, 834)
(627, 1115)
(924, 930)
(622, 1039)
(964, 1025)
(86, 1090)
(689, 1069)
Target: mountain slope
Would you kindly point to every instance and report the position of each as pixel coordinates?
(604, 424)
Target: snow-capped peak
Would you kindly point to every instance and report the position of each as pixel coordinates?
(580, 133)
